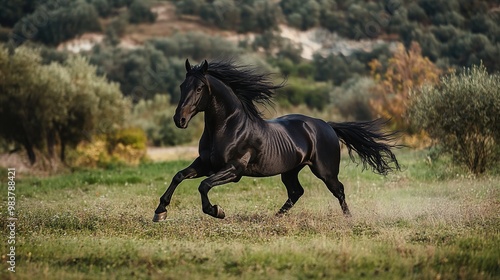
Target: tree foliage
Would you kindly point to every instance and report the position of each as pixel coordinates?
(155, 118)
(299, 91)
(140, 12)
(352, 99)
(462, 112)
(13, 10)
(158, 67)
(242, 16)
(55, 22)
(450, 32)
(407, 69)
(44, 106)
(340, 68)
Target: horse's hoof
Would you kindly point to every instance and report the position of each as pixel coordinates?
(219, 212)
(347, 214)
(281, 213)
(160, 217)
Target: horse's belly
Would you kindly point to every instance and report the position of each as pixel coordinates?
(273, 167)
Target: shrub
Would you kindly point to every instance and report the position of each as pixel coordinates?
(299, 91)
(102, 7)
(141, 72)
(407, 69)
(195, 45)
(134, 137)
(155, 118)
(90, 154)
(189, 7)
(140, 12)
(241, 16)
(128, 145)
(116, 29)
(56, 22)
(352, 99)
(123, 147)
(462, 113)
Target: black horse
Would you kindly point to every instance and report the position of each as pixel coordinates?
(237, 142)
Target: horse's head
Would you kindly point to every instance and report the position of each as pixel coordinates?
(194, 94)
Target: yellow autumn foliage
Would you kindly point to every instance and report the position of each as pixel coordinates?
(406, 70)
(124, 147)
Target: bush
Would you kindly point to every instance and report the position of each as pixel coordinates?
(123, 147)
(352, 99)
(195, 45)
(56, 22)
(407, 69)
(140, 12)
(189, 7)
(128, 145)
(241, 16)
(14, 10)
(141, 72)
(302, 14)
(133, 137)
(90, 154)
(462, 113)
(155, 118)
(116, 29)
(299, 91)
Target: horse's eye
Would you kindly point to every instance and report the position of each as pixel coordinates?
(198, 90)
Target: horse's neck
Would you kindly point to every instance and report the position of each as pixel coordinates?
(223, 106)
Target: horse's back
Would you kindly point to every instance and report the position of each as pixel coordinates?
(294, 140)
(317, 128)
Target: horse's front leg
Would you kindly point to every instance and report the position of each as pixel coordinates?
(229, 173)
(195, 170)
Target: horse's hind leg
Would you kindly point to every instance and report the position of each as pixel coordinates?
(329, 177)
(337, 189)
(293, 187)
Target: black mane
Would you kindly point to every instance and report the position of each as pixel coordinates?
(247, 84)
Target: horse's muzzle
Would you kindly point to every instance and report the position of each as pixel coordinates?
(183, 116)
(180, 122)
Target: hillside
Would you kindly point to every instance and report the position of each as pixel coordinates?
(168, 23)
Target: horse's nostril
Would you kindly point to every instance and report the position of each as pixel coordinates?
(183, 120)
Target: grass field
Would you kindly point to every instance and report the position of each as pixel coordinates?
(429, 221)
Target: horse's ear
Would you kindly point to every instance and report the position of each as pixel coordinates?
(188, 66)
(204, 67)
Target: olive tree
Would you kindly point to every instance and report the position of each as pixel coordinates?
(462, 112)
(44, 106)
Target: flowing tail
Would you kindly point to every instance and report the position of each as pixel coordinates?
(370, 143)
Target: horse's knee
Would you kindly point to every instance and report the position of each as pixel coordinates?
(204, 187)
(177, 179)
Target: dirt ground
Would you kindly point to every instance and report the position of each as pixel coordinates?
(172, 153)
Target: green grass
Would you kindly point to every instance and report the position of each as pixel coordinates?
(426, 222)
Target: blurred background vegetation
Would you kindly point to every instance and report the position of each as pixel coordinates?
(94, 82)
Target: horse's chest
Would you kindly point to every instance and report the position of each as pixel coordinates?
(218, 155)
(225, 147)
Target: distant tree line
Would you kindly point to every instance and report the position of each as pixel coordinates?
(158, 67)
(52, 22)
(450, 32)
(241, 16)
